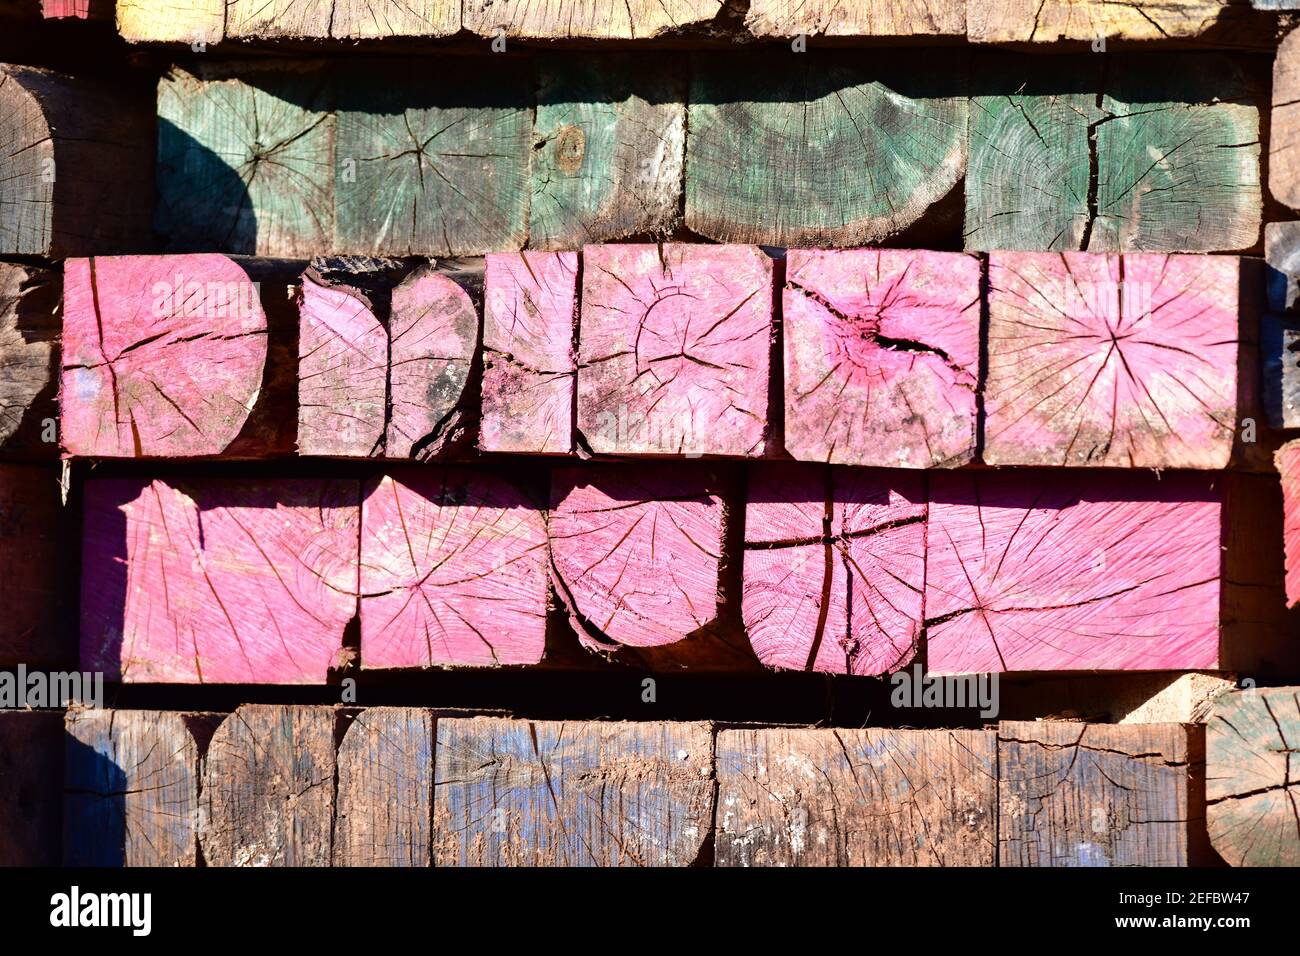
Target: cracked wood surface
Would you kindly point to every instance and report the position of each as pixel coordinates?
(1280, 326)
(1288, 465)
(608, 150)
(130, 789)
(1073, 794)
(829, 149)
(834, 567)
(542, 793)
(1252, 771)
(882, 352)
(76, 167)
(385, 789)
(163, 356)
(172, 21)
(29, 359)
(1284, 130)
(674, 350)
(1047, 21)
(217, 581)
(453, 571)
(856, 18)
(1106, 360)
(431, 165)
(268, 788)
(33, 559)
(587, 19)
(637, 553)
(1049, 570)
(530, 328)
(1123, 153)
(31, 784)
(856, 798)
(246, 158)
(343, 19)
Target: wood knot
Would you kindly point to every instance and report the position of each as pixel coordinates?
(570, 149)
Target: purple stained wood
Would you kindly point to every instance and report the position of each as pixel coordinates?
(834, 567)
(453, 571)
(882, 350)
(210, 580)
(529, 325)
(1288, 464)
(637, 551)
(674, 349)
(163, 356)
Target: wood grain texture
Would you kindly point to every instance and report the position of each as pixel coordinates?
(453, 571)
(29, 356)
(637, 552)
(1116, 361)
(530, 325)
(834, 567)
(172, 21)
(609, 146)
(587, 19)
(131, 789)
(882, 355)
(530, 793)
(1282, 255)
(1279, 342)
(432, 161)
(1036, 21)
(385, 789)
(856, 18)
(210, 580)
(1122, 153)
(1252, 789)
(31, 787)
(1288, 466)
(268, 788)
(35, 629)
(246, 158)
(856, 798)
(864, 147)
(77, 9)
(76, 169)
(163, 356)
(279, 18)
(1072, 794)
(674, 351)
(1284, 130)
(1036, 570)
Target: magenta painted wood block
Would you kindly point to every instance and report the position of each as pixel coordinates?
(529, 326)
(834, 567)
(882, 350)
(1049, 570)
(453, 571)
(162, 355)
(1121, 361)
(674, 349)
(636, 551)
(1288, 463)
(217, 581)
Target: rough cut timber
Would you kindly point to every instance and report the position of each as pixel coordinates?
(856, 798)
(77, 9)
(1288, 465)
(523, 793)
(834, 567)
(1116, 153)
(221, 581)
(586, 19)
(1074, 794)
(1252, 786)
(637, 552)
(1284, 131)
(530, 327)
(1135, 697)
(433, 158)
(856, 18)
(246, 158)
(882, 355)
(131, 789)
(175, 21)
(76, 166)
(1048, 570)
(31, 787)
(1282, 254)
(385, 789)
(29, 357)
(1118, 361)
(344, 19)
(163, 356)
(820, 149)
(609, 145)
(36, 626)
(674, 350)
(1279, 341)
(1036, 21)
(453, 571)
(268, 788)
